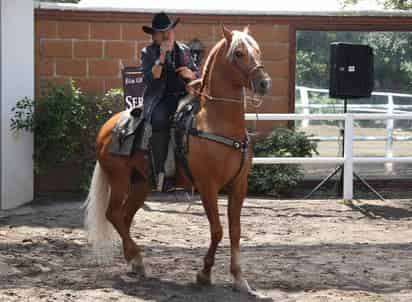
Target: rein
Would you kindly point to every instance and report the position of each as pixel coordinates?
(254, 101)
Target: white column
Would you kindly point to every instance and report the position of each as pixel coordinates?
(304, 96)
(16, 82)
(389, 131)
(348, 157)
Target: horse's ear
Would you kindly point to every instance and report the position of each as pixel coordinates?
(227, 34)
(246, 30)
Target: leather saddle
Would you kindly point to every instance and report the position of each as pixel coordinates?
(130, 133)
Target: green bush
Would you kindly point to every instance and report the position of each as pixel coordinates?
(279, 179)
(65, 123)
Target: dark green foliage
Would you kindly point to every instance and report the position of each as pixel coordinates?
(310, 70)
(65, 123)
(389, 4)
(398, 4)
(278, 179)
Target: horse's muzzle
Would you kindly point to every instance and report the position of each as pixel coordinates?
(262, 85)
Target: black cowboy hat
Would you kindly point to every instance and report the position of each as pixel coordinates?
(160, 22)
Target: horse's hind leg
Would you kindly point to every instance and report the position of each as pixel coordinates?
(135, 200)
(209, 200)
(119, 202)
(133, 203)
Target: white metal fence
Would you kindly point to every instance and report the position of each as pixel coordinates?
(390, 107)
(348, 160)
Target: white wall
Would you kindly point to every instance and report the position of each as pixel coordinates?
(17, 81)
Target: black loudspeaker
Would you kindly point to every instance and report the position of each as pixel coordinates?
(351, 71)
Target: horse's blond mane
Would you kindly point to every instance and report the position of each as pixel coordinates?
(209, 62)
(238, 38)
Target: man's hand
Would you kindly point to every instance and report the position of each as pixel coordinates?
(185, 73)
(165, 46)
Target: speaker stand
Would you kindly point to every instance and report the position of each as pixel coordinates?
(341, 169)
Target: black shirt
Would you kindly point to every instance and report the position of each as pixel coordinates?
(174, 83)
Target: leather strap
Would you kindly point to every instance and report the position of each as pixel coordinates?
(190, 130)
(242, 146)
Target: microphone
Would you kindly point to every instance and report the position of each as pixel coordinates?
(169, 61)
(168, 58)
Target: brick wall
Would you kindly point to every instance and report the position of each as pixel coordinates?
(92, 47)
(92, 53)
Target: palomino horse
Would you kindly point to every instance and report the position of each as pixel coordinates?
(233, 64)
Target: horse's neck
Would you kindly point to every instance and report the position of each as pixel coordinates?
(223, 117)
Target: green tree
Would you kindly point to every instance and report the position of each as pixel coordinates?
(389, 4)
(312, 56)
(393, 57)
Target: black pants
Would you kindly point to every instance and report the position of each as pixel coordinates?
(161, 122)
(162, 112)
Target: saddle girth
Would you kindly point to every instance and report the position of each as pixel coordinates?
(185, 126)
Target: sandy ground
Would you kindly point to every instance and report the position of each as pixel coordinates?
(292, 250)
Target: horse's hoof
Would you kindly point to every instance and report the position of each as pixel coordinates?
(242, 285)
(203, 279)
(138, 269)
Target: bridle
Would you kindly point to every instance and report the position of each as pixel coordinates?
(247, 72)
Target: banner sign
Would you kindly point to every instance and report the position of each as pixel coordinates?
(133, 87)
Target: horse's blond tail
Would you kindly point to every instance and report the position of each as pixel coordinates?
(101, 234)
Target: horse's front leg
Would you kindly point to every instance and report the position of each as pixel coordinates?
(235, 201)
(208, 194)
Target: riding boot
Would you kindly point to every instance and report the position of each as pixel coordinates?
(160, 144)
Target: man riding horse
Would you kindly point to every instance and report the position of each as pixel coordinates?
(217, 153)
(167, 66)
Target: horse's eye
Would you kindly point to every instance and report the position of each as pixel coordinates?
(238, 54)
